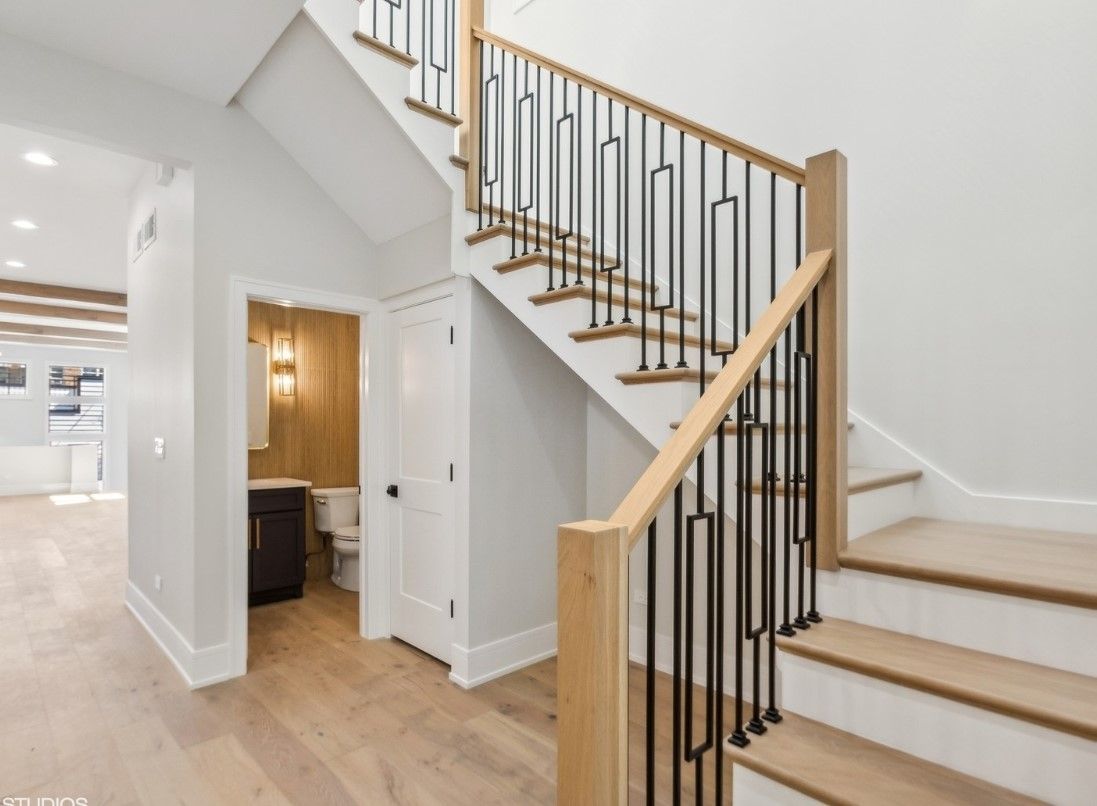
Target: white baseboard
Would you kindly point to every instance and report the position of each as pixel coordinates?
(38, 489)
(198, 667)
(472, 667)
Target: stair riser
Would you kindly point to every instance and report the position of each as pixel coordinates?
(1027, 758)
(749, 788)
(868, 511)
(1029, 630)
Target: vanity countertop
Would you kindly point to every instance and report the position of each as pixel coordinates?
(276, 484)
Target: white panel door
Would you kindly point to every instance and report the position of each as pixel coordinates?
(421, 452)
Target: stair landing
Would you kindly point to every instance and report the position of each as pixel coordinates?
(1058, 567)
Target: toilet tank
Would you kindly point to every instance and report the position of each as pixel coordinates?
(334, 507)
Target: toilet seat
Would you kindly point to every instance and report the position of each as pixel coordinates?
(348, 533)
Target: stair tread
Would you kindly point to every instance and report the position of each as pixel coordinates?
(633, 330)
(731, 429)
(499, 229)
(864, 479)
(385, 49)
(1031, 563)
(542, 259)
(1065, 701)
(432, 111)
(584, 292)
(837, 767)
(673, 374)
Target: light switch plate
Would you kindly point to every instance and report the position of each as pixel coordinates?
(158, 447)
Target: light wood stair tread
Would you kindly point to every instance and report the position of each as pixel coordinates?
(863, 479)
(385, 49)
(432, 111)
(498, 229)
(839, 768)
(731, 429)
(634, 330)
(1031, 563)
(674, 374)
(1054, 698)
(584, 292)
(542, 259)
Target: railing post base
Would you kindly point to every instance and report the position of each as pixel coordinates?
(592, 664)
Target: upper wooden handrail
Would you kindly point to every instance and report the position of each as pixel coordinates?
(760, 158)
(645, 498)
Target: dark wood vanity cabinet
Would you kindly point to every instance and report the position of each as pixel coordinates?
(276, 544)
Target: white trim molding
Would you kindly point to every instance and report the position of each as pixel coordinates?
(198, 667)
(373, 603)
(472, 667)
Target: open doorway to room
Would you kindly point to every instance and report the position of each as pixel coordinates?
(304, 485)
(65, 258)
(305, 469)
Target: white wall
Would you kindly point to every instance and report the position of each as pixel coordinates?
(23, 421)
(528, 472)
(414, 259)
(968, 128)
(256, 214)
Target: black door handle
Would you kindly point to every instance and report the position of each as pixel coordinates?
(392, 490)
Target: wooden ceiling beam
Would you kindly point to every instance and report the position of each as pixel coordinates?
(63, 292)
(62, 312)
(60, 331)
(53, 341)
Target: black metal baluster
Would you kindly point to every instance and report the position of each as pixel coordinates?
(649, 672)
(755, 632)
(616, 143)
(626, 287)
(644, 304)
(407, 29)
(770, 502)
(540, 157)
(553, 180)
(521, 175)
(481, 164)
(738, 736)
(670, 220)
(425, 60)
(701, 284)
(747, 313)
(375, 18)
(514, 150)
(579, 185)
(593, 210)
(392, 21)
(676, 741)
(718, 772)
(813, 461)
(681, 250)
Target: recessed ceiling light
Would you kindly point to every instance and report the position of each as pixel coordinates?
(15, 264)
(40, 158)
(23, 223)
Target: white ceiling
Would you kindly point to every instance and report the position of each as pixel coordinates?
(80, 206)
(206, 48)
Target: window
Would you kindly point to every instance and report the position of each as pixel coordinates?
(77, 407)
(13, 379)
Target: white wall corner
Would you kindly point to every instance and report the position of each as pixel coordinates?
(472, 667)
(198, 667)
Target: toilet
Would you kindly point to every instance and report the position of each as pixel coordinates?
(336, 514)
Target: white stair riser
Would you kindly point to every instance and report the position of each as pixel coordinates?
(749, 788)
(1013, 753)
(868, 511)
(1034, 631)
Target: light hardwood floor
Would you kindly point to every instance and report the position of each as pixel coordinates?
(89, 706)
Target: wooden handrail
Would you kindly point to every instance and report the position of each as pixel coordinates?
(757, 157)
(645, 498)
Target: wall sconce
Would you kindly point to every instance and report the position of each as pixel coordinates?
(285, 371)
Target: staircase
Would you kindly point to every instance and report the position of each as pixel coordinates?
(824, 642)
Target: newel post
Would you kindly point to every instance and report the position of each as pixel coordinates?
(468, 135)
(826, 229)
(592, 664)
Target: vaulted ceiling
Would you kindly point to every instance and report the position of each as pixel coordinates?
(206, 48)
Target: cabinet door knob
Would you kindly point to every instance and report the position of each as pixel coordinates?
(258, 534)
